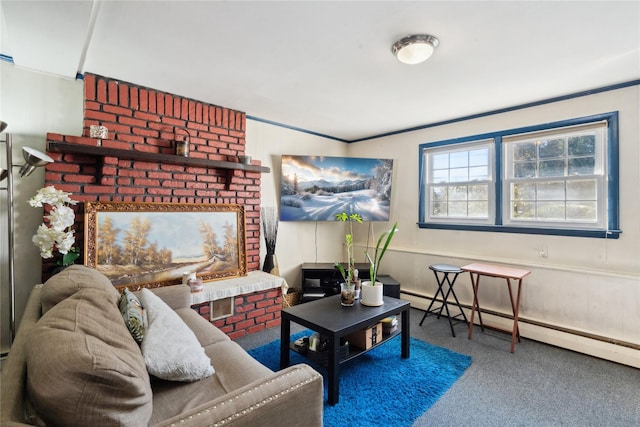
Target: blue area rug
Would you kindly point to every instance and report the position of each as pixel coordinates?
(380, 388)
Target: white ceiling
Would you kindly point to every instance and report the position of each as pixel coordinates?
(326, 66)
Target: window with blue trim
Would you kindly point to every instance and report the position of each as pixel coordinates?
(557, 178)
(460, 183)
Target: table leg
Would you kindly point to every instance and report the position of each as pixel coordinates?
(285, 332)
(333, 371)
(405, 334)
(451, 291)
(444, 301)
(515, 309)
(433, 300)
(475, 283)
(478, 304)
(441, 282)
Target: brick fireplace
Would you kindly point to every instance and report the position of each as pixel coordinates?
(143, 120)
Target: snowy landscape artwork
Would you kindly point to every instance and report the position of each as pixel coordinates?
(315, 188)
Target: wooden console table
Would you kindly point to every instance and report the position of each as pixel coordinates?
(476, 270)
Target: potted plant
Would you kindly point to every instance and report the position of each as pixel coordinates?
(351, 287)
(56, 233)
(372, 290)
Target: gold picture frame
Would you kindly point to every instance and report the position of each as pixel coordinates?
(151, 245)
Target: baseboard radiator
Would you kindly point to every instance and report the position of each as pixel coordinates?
(608, 348)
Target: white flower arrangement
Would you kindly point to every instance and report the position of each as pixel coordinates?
(57, 232)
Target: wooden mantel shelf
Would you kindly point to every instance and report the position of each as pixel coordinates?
(88, 150)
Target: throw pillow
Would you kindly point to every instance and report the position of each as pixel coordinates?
(170, 349)
(83, 367)
(73, 279)
(133, 314)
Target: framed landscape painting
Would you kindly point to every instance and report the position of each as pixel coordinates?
(316, 188)
(153, 244)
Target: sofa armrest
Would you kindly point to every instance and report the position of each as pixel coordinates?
(293, 396)
(14, 409)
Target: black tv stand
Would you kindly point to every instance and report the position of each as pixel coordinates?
(320, 280)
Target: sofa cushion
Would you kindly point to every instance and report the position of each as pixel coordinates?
(83, 366)
(206, 333)
(237, 369)
(175, 296)
(133, 314)
(71, 280)
(171, 350)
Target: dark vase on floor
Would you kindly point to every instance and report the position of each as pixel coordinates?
(271, 264)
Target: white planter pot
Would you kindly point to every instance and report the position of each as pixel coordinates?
(371, 295)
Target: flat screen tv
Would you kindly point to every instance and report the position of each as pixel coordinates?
(315, 188)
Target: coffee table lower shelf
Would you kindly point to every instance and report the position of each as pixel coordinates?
(352, 353)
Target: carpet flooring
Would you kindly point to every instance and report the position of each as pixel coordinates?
(537, 386)
(372, 382)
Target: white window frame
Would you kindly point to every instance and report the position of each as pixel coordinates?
(599, 176)
(490, 182)
(606, 174)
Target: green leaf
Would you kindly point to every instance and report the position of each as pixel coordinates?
(374, 263)
(341, 270)
(355, 217)
(69, 258)
(342, 216)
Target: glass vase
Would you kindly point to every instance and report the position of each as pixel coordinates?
(347, 294)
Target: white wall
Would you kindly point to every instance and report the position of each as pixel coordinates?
(584, 284)
(297, 242)
(32, 104)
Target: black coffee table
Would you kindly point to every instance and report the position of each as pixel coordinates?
(327, 317)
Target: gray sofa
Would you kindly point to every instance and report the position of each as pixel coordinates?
(74, 362)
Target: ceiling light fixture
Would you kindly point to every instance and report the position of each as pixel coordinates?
(415, 48)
